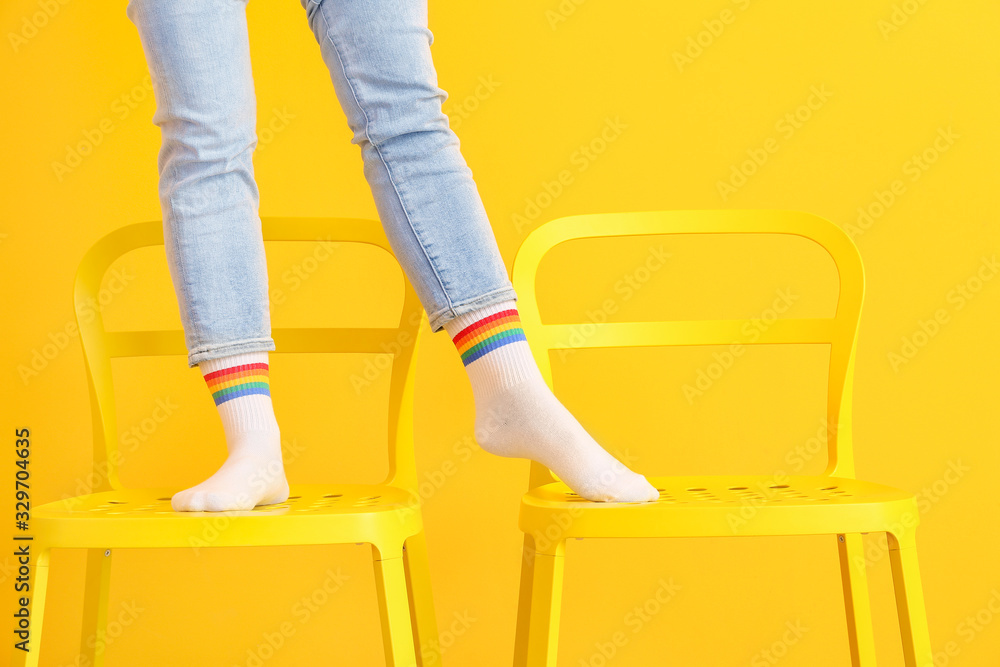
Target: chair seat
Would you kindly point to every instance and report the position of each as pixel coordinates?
(313, 514)
(720, 506)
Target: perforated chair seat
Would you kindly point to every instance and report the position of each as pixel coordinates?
(724, 506)
(313, 512)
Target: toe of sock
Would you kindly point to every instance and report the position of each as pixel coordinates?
(208, 501)
(638, 489)
(181, 502)
(652, 493)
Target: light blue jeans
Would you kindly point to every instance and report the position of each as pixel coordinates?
(378, 54)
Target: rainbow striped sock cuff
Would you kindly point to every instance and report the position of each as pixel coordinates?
(487, 334)
(235, 381)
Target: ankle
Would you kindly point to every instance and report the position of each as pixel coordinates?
(494, 350)
(240, 387)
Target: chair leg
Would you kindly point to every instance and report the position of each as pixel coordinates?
(854, 575)
(545, 606)
(37, 580)
(524, 601)
(394, 607)
(95, 607)
(917, 650)
(418, 585)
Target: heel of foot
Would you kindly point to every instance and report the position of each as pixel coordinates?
(279, 496)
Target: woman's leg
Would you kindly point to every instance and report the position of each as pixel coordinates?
(378, 54)
(199, 61)
(379, 58)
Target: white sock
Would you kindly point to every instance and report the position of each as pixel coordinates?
(517, 415)
(253, 473)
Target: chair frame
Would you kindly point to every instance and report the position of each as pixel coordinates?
(542, 569)
(399, 550)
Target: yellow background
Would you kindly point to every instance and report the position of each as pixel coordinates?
(896, 75)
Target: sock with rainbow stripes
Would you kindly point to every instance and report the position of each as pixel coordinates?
(252, 473)
(517, 415)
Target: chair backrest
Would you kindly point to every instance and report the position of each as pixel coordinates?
(840, 331)
(100, 346)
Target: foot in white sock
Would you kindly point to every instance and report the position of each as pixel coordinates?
(253, 473)
(517, 415)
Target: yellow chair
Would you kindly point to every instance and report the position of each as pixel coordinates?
(834, 503)
(386, 515)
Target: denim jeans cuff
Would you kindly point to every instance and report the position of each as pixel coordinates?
(438, 319)
(206, 352)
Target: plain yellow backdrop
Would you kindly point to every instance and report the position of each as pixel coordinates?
(885, 108)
